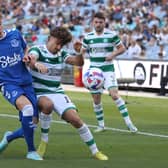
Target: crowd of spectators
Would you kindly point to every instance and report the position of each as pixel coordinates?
(141, 24)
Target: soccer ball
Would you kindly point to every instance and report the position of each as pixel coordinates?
(93, 79)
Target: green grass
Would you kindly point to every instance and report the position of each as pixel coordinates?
(125, 150)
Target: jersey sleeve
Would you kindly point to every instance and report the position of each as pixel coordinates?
(117, 40)
(35, 51)
(85, 43)
(65, 55)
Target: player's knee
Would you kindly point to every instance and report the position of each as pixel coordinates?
(45, 105)
(76, 122)
(97, 98)
(72, 117)
(114, 95)
(27, 110)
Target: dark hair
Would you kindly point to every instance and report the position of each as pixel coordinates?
(61, 34)
(99, 15)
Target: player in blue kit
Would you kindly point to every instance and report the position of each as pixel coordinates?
(16, 87)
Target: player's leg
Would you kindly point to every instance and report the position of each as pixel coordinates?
(98, 109)
(122, 109)
(72, 117)
(45, 107)
(4, 142)
(111, 85)
(12, 135)
(67, 110)
(9, 136)
(20, 133)
(26, 109)
(25, 106)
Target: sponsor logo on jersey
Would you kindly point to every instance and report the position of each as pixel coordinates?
(9, 61)
(97, 50)
(54, 72)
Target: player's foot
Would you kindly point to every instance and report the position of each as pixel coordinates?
(34, 156)
(100, 156)
(42, 148)
(132, 128)
(99, 129)
(4, 142)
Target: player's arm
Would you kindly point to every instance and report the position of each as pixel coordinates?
(119, 50)
(31, 60)
(77, 59)
(27, 59)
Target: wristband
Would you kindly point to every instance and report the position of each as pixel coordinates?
(36, 66)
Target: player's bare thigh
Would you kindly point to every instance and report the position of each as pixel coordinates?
(72, 117)
(21, 102)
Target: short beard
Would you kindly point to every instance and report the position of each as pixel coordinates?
(99, 31)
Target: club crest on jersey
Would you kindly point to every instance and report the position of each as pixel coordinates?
(14, 93)
(14, 43)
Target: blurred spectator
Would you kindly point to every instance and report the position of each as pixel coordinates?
(134, 50)
(142, 20)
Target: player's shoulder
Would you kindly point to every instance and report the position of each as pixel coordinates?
(110, 32)
(38, 47)
(12, 31)
(90, 34)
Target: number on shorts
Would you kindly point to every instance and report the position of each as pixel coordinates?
(67, 99)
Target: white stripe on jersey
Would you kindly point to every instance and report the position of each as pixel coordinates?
(51, 80)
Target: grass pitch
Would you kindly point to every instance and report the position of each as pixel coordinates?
(148, 149)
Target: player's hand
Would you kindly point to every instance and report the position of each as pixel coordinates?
(41, 67)
(77, 46)
(109, 58)
(26, 59)
(35, 120)
(29, 60)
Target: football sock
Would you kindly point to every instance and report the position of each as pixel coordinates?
(45, 121)
(123, 110)
(28, 126)
(87, 137)
(98, 109)
(15, 134)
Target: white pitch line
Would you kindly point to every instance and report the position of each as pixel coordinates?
(94, 126)
(9, 115)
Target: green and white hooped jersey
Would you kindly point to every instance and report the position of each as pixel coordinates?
(99, 47)
(50, 82)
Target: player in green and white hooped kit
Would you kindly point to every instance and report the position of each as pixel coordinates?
(46, 62)
(103, 46)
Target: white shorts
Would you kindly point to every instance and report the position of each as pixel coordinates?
(110, 82)
(60, 101)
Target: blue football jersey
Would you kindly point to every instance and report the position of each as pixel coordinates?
(12, 69)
